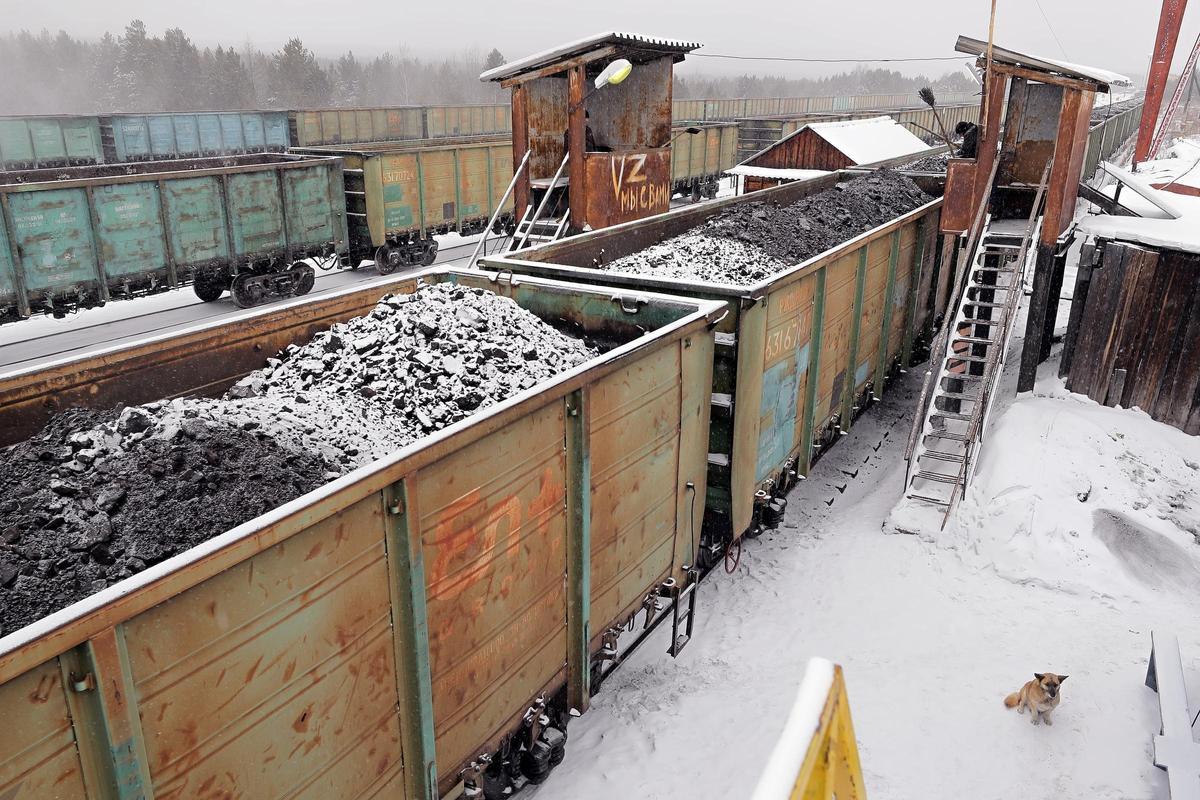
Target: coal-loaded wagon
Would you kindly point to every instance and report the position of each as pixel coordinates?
(828, 287)
(78, 237)
(399, 195)
(373, 544)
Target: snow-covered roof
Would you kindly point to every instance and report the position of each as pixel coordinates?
(1178, 165)
(1101, 77)
(774, 172)
(865, 141)
(1178, 230)
(581, 46)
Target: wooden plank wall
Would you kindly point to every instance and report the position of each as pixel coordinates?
(805, 150)
(1134, 334)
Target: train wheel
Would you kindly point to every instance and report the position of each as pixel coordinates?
(208, 289)
(387, 259)
(430, 254)
(304, 278)
(247, 291)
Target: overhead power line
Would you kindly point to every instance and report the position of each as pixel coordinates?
(1062, 49)
(825, 60)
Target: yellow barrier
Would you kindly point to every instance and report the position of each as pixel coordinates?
(817, 756)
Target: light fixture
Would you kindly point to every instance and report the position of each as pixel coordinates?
(614, 73)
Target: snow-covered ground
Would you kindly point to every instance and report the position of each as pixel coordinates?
(1076, 539)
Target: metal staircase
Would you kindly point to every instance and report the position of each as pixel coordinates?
(533, 228)
(966, 362)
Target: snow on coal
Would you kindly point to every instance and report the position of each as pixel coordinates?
(98, 496)
(751, 241)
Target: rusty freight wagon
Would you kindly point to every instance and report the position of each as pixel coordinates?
(388, 633)
(400, 194)
(78, 237)
(797, 355)
(699, 160)
(323, 126)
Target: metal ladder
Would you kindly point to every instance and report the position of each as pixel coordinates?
(960, 388)
(532, 229)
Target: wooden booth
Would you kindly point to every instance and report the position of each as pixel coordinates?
(1036, 112)
(607, 100)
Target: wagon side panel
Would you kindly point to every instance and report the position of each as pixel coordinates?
(276, 677)
(634, 448)
(492, 522)
(38, 757)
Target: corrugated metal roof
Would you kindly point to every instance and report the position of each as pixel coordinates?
(581, 46)
(1101, 77)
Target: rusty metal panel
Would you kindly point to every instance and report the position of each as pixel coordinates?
(751, 338)
(1033, 114)
(438, 187)
(493, 524)
(546, 117)
(627, 186)
(38, 759)
(901, 284)
(867, 355)
(287, 656)
(474, 198)
(840, 280)
(960, 191)
(784, 363)
(634, 445)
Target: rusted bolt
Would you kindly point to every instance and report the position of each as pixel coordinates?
(83, 683)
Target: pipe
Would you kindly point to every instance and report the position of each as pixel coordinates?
(1160, 66)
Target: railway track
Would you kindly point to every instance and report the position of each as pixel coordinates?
(42, 340)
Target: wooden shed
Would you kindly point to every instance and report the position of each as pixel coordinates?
(828, 146)
(591, 132)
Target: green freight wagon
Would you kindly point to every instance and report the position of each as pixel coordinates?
(798, 354)
(150, 137)
(79, 237)
(37, 142)
(388, 634)
(399, 195)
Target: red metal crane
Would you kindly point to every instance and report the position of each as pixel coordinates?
(1185, 80)
(1160, 65)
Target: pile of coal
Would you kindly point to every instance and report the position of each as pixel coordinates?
(98, 496)
(416, 364)
(935, 163)
(761, 239)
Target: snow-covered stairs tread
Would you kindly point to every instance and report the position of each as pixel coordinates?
(969, 369)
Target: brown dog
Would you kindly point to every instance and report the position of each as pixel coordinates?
(1040, 696)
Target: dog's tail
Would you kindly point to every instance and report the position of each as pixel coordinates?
(1012, 700)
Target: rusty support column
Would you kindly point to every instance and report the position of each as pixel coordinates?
(520, 144)
(1058, 192)
(1160, 66)
(577, 143)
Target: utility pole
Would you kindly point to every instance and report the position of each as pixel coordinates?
(1169, 23)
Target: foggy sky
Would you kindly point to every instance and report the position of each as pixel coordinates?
(1114, 34)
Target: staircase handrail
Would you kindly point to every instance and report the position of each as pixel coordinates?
(481, 244)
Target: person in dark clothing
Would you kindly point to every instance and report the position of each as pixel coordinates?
(589, 138)
(969, 132)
